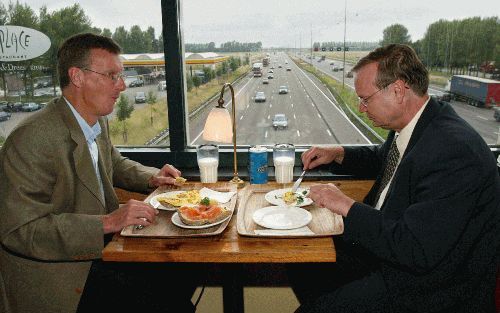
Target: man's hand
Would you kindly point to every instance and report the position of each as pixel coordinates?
(132, 213)
(330, 197)
(166, 176)
(316, 156)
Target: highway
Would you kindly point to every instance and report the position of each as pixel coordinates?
(312, 115)
(481, 119)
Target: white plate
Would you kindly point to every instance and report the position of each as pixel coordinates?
(177, 221)
(276, 197)
(282, 217)
(155, 203)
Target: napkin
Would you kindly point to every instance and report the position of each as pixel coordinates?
(221, 197)
(302, 231)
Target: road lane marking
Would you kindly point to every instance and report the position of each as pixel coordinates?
(329, 133)
(292, 105)
(294, 116)
(270, 105)
(269, 116)
(298, 133)
(265, 135)
(241, 117)
(481, 117)
(336, 108)
(319, 115)
(312, 104)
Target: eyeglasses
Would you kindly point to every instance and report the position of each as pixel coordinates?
(114, 77)
(364, 101)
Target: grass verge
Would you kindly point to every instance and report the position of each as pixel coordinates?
(139, 128)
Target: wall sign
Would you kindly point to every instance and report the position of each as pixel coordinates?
(19, 43)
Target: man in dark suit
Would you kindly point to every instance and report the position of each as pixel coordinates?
(58, 206)
(426, 237)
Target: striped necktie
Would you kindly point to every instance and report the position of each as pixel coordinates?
(392, 162)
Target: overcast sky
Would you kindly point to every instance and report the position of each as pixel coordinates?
(281, 22)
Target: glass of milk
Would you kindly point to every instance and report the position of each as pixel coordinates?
(284, 159)
(208, 161)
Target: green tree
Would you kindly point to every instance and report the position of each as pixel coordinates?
(395, 33)
(106, 32)
(151, 100)
(121, 37)
(196, 82)
(74, 20)
(234, 63)
(137, 40)
(123, 113)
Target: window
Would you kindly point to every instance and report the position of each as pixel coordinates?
(258, 46)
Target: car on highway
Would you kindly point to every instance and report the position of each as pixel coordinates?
(283, 90)
(270, 71)
(140, 97)
(260, 96)
(279, 65)
(162, 85)
(30, 107)
(272, 67)
(496, 113)
(280, 121)
(270, 76)
(349, 74)
(265, 80)
(335, 68)
(4, 116)
(289, 69)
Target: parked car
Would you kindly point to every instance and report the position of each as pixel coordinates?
(280, 121)
(260, 96)
(140, 97)
(14, 107)
(283, 90)
(30, 107)
(265, 80)
(3, 105)
(4, 116)
(137, 83)
(162, 85)
(496, 113)
(349, 74)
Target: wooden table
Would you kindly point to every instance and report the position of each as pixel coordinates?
(230, 248)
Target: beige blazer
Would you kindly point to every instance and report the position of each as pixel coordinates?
(50, 229)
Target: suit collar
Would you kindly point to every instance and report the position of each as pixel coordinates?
(81, 156)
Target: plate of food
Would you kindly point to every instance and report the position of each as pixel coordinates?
(282, 217)
(171, 200)
(203, 215)
(285, 197)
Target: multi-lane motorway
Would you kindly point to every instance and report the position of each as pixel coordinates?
(313, 117)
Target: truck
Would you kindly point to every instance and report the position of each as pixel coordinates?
(265, 61)
(257, 69)
(475, 91)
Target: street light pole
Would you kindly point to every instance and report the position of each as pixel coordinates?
(345, 24)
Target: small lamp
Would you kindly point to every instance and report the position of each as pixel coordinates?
(219, 128)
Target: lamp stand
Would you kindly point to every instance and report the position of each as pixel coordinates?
(235, 180)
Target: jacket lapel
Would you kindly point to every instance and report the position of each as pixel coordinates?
(83, 161)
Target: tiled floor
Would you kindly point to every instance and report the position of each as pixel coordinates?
(257, 300)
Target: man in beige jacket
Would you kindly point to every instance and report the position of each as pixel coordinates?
(57, 202)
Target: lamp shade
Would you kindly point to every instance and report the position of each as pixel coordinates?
(218, 126)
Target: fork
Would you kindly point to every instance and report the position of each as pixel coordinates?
(299, 180)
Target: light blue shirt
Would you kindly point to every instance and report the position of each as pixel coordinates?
(90, 133)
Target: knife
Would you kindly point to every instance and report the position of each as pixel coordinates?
(299, 180)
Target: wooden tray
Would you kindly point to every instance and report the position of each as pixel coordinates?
(324, 223)
(163, 226)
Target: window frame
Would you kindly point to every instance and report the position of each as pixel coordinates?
(179, 152)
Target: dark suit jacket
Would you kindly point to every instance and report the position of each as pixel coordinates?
(437, 233)
(50, 229)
